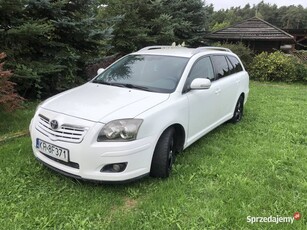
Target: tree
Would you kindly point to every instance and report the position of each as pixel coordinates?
(148, 22)
(189, 20)
(295, 17)
(132, 29)
(9, 99)
(219, 26)
(225, 18)
(268, 12)
(50, 42)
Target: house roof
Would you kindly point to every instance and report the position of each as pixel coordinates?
(252, 29)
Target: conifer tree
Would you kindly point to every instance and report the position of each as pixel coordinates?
(189, 19)
(156, 22)
(49, 42)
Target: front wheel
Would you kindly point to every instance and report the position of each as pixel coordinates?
(238, 112)
(164, 155)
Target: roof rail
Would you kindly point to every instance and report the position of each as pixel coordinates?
(203, 48)
(160, 47)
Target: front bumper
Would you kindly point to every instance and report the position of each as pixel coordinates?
(86, 159)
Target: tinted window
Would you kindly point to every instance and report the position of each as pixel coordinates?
(230, 66)
(220, 66)
(235, 62)
(201, 69)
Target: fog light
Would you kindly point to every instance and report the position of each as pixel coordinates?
(114, 168)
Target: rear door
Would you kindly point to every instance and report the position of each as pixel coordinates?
(227, 82)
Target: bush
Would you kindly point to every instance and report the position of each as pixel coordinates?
(301, 70)
(9, 99)
(244, 53)
(277, 67)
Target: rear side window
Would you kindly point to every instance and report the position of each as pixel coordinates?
(235, 62)
(221, 67)
(230, 66)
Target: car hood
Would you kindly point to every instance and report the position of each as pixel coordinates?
(102, 103)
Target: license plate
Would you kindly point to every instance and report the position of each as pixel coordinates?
(52, 150)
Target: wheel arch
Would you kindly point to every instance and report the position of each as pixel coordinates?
(179, 135)
(242, 94)
(161, 162)
(237, 116)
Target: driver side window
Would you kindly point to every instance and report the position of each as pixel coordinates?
(201, 69)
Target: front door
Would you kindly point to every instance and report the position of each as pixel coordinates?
(202, 102)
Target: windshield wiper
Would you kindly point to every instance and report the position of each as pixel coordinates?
(109, 83)
(131, 86)
(101, 82)
(125, 85)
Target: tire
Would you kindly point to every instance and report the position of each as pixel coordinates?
(164, 155)
(238, 112)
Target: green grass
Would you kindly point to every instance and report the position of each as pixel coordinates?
(255, 168)
(17, 121)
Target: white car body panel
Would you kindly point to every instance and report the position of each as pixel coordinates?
(200, 121)
(95, 102)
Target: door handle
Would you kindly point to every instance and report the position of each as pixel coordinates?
(217, 91)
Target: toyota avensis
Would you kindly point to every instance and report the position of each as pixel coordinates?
(134, 116)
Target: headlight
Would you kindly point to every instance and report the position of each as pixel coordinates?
(120, 130)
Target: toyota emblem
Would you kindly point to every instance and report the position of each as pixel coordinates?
(54, 124)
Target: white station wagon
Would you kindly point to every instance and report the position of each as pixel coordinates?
(134, 116)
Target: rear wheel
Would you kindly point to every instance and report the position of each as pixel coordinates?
(238, 112)
(164, 155)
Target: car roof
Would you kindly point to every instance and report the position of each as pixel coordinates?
(182, 51)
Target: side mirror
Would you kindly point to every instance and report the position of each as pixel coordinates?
(200, 83)
(99, 71)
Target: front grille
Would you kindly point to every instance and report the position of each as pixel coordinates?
(65, 132)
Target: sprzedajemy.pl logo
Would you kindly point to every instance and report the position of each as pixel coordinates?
(273, 219)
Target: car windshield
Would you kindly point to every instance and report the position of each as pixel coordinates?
(155, 73)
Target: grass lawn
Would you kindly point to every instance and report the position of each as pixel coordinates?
(255, 168)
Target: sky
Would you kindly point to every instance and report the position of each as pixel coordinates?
(219, 4)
